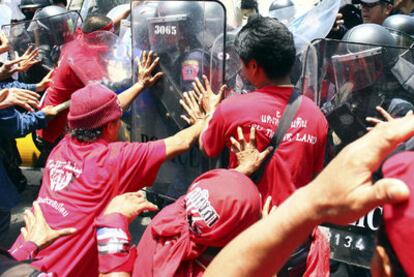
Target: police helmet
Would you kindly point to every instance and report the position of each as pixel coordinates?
(400, 22)
(34, 4)
(280, 4)
(372, 34)
(50, 11)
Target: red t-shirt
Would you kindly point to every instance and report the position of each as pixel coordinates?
(299, 157)
(78, 182)
(78, 64)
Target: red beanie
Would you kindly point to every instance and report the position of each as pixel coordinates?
(92, 107)
(399, 218)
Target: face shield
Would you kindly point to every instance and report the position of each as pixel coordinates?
(355, 71)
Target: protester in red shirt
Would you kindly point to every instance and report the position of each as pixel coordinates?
(343, 192)
(88, 168)
(267, 51)
(65, 81)
(393, 254)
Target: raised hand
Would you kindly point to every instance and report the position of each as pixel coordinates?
(26, 99)
(146, 66)
(248, 156)
(205, 95)
(38, 231)
(193, 108)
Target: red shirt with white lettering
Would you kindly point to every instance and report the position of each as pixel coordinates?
(299, 157)
(79, 181)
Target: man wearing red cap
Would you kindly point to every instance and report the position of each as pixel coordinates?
(88, 168)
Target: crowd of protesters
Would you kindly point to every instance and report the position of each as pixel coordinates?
(258, 217)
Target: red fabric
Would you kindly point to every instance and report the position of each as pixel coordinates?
(299, 157)
(92, 107)
(78, 182)
(399, 219)
(26, 251)
(317, 263)
(79, 62)
(217, 207)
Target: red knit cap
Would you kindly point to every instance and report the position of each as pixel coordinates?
(92, 107)
(399, 218)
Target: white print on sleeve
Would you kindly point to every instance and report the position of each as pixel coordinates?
(61, 174)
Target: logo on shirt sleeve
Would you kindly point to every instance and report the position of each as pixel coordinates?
(190, 70)
(61, 174)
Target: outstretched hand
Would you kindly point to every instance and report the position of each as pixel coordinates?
(193, 108)
(26, 99)
(345, 189)
(385, 115)
(129, 205)
(248, 157)
(205, 95)
(38, 231)
(146, 66)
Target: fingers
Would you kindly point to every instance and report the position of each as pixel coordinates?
(235, 145)
(199, 86)
(29, 219)
(31, 95)
(24, 233)
(221, 91)
(373, 120)
(188, 110)
(252, 136)
(372, 148)
(266, 206)
(206, 83)
(384, 113)
(410, 112)
(385, 191)
(38, 214)
(147, 206)
(156, 77)
(189, 100)
(240, 135)
(154, 64)
(65, 232)
(186, 119)
(265, 152)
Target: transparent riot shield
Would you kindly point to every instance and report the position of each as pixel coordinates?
(48, 34)
(99, 7)
(100, 57)
(348, 80)
(182, 33)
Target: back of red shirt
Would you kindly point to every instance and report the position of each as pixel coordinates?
(301, 154)
(78, 182)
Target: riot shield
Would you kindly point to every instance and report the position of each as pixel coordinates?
(182, 34)
(99, 7)
(100, 57)
(48, 34)
(348, 80)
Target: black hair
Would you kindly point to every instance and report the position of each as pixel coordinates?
(57, 2)
(270, 43)
(249, 4)
(86, 135)
(95, 23)
(382, 240)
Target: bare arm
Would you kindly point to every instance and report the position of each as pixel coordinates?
(146, 65)
(342, 193)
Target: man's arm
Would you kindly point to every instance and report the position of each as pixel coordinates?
(342, 193)
(146, 66)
